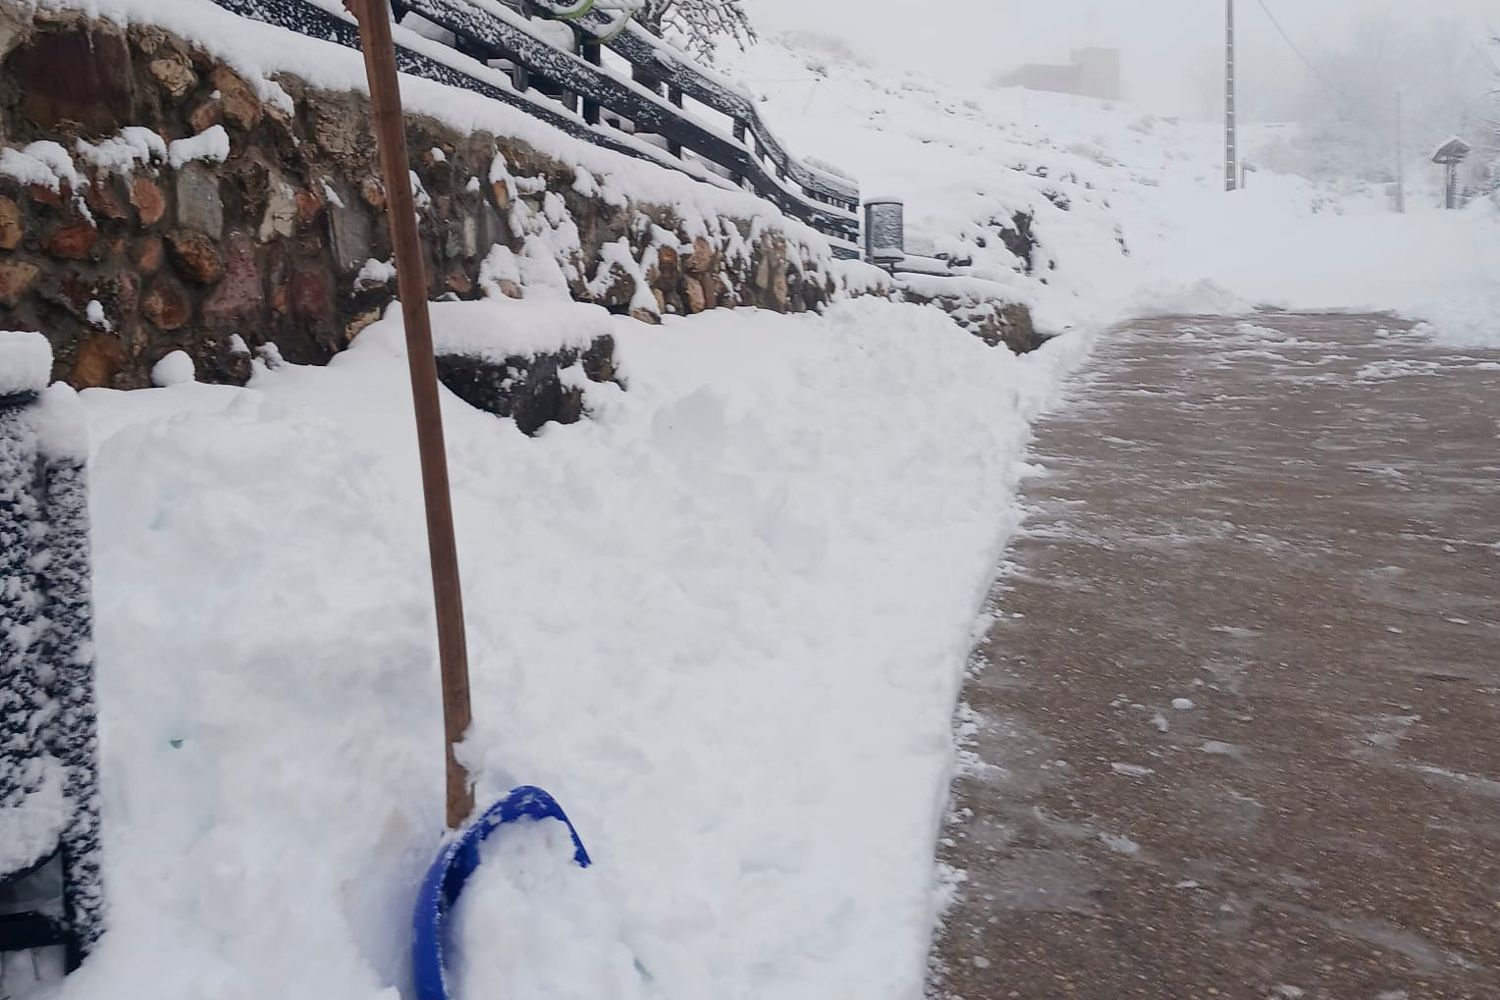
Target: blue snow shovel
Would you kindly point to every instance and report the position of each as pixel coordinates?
(457, 861)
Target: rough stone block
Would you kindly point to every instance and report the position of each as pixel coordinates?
(200, 206)
(74, 241)
(311, 297)
(372, 190)
(148, 199)
(16, 279)
(205, 115)
(174, 73)
(11, 229)
(99, 360)
(240, 297)
(692, 295)
(668, 268)
(75, 75)
(280, 218)
(195, 256)
(351, 234)
(103, 197)
(701, 259)
(241, 106)
(166, 305)
(148, 254)
(529, 390)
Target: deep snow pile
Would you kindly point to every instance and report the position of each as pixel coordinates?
(724, 621)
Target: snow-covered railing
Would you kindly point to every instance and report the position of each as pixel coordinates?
(655, 60)
(51, 902)
(572, 91)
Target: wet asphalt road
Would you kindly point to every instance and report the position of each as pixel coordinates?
(1293, 524)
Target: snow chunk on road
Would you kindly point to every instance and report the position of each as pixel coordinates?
(1183, 704)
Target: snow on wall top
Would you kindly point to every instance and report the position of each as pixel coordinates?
(25, 362)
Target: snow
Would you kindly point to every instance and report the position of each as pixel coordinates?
(44, 163)
(375, 274)
(499, 328)
(94, 313)
(29, 832)
(725, 621)
(25, 362)
(133, 147)
(62, 427)
(419, 193)
(211, 145)
(174, 369)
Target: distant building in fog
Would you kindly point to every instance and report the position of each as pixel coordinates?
(1093, 73)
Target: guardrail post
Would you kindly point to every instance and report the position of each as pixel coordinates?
(675, 96)
(593, 54)
(885, 231)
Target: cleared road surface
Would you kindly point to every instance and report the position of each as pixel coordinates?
(1235, 731)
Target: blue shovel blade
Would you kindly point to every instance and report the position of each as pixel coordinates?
(458, 860)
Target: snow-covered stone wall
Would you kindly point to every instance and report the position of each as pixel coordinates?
(154, 198)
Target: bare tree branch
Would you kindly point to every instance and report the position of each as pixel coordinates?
(699, 25)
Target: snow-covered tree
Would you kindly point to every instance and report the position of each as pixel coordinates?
(698, 25)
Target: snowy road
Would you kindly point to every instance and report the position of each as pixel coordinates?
(1235, 730)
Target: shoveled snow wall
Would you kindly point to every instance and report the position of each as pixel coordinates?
(165, 190)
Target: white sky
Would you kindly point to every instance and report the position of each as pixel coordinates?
(1171, 47)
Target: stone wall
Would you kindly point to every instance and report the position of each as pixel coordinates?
(122, 243)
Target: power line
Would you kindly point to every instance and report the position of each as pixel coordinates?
(1311, 66)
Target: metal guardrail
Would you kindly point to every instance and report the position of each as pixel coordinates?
(487, 31)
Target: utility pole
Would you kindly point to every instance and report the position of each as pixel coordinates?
(1231, 124)
(1400, 151)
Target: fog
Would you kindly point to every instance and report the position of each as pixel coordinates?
(1172, 48)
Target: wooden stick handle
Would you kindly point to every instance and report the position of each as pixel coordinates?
(390, 132)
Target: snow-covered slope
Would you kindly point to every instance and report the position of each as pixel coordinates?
(1128, 208)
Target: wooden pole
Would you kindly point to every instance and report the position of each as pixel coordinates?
(390, 133)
